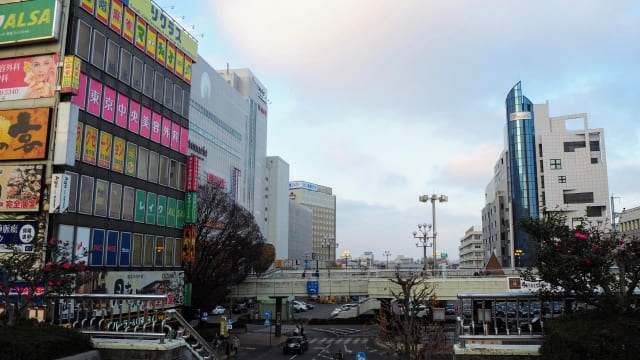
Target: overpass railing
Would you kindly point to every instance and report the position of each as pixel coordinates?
(383, 273)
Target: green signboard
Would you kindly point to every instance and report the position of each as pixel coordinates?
(29, 21)
(130, 164)
(151, 208)
(141, 205)
(161, 210)
(171, 212)
(180, 215)
(191, 215)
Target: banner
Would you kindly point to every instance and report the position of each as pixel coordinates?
(171, 56)
(79, 141)
(115, 22)
(191, 199)
(23, 133)
(151, 208)
(171, 212)
(188, 64)
(60, 191)
(104, 157)
(28, 77)
(71, 75)
(175, 136)
(90, 152)
(165, 136)
(88, 5)
(132, 156)
(95, 97)
(97, 247)
(141, 32)
(151, 41)
(184, 140)
(180, 64)
(189, 243)
(118, 154)
(141, 198)
(102, 12)
(161, 210)
(134, 116)
(162, 50)
(29, 21)
(20, 233)
(21, 186)
(108, 104)
(147, 283)
(156, 124)
(129, 24)
(122, 110)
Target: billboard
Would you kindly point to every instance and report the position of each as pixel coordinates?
(71, 75)
(148, 283)
(23, 133)
(20, 233)
(28, 77)
(29, 21)
(21, 186)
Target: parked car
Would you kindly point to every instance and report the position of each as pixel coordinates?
(218, 310)
(295, 345)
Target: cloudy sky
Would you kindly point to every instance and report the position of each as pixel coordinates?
(386, 100)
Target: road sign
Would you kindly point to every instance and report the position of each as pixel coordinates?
(312, 287)
(267, 314)
(444, 255)
(230, 321)
(205, 316)
(361, 356)
(267, 322)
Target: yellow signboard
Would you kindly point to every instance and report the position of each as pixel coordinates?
(71, 75)
(23, 133)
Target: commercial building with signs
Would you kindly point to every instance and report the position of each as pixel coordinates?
(322, 203)
(228, 133)
(95, 135)
(554, 165)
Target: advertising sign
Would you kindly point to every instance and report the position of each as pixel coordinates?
(165, 136)
(175, 136)
(179, 63)
(115, 21)
(184, 140)
(118, 154)
(97, 247)
(171, 212)
(19, 233)
(23, 133)
(189, 243)
(90, 152)
(95, 97)
(29, 21)
(79, 141)
(141, 33)
(29, 77)
(125, 249)
(147, 283)
(156, 125)
(134, 116)
(108, 104)
(132, 151)
(71, 75)
(106, 142)
(151, 41)
(191, 199)
(151, 208)
(145, 122)
(165, 26)
(141, 205)
(88, 5)
(81, 97)
(188, 64)
(129, 24)
(180, 214)
(161, 51)
(171, 56)
(60, 191)
(122, 110)
(102, 11)
(21, 186)
(111, 258)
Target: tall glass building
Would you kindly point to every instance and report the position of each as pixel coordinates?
(522, 171)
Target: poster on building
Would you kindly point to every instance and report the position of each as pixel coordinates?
(80, 98)
(115, 19)
(156, 126)
(88, 5)
(117, 163)
(131, 162)
(111, 253)
(122, 110)
(171, 56)
(129, 24)
(23, 133)
(140, 206)
(21, 187)
(170, 283)
(108, 103)
(29, 21)
(152, 35)
(141, 33)
(125, 249)
(20, 235)
(106, 145)
(171, 212)
(191, 200)
(134, 116)
(161, 210)
(29, 77)
(95, 97)
(151, 208)
(79, 130)
(161, 51)
(145, 122)
(97, 247)
(188, 64)
(70, 82)
(179, 63)
(60, 192)
(90, 151)
(175, 136)
(180, 214)
(165, 135)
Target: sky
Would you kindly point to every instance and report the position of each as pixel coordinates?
(384, 101)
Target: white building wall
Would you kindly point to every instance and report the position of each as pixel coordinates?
(300, 229)
(278, 204)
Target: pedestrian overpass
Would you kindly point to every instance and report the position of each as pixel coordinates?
(372, 283)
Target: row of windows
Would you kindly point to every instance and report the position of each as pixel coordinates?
(93, 46)
(100, 198)
(630, 225)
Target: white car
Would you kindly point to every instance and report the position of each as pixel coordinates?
(335, 312)
(219, 310)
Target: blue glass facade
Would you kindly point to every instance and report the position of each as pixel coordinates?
(522, 171)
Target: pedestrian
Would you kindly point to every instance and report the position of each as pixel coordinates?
(297, 330)
(236, 343)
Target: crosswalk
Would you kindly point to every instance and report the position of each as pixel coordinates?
(339, 331)
(338, 341)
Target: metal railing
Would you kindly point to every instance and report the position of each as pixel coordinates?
(200, 347)
(384, 273)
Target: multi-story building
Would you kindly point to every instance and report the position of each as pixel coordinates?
(95, 112)
(322, 203)
(471, 249)
(278, 206)
(552, 166)
(629, 222)
(300, 234)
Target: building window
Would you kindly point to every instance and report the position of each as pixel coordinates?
(594, 145)
(594, 160)
(153, 167)
(182, 176)
(578, 198)
(102, 192)
(125, 66)
(159, 254)
(99, 44)
(128, 199)
(540, 149)
(185, 103)
(163, 177)
(113, 51)
(143, 163)
(115, 201)
(595, 211)
(137, 74)
(562, 179)
(73, 191)
(541, 166)
(556, 164)
(177, 258)
(83, 40)
(149, 243)
(137, 250)
(173, 174)
(147, 85)
(571, 146)
(158, 87)
(168, 251)
(86, 195)
(542, 182)
(177, 99)
(168, 93)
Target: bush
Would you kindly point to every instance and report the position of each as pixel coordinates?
(592, 336)
(32, 340)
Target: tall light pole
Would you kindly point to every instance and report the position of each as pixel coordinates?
(329, 242)
(423, 235)
(387, 253)
(433, 198)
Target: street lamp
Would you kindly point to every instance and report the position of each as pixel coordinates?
(346, 255)
(518, 253)
(423, 235)
(433, 198)
(387, 253)
(329, 242)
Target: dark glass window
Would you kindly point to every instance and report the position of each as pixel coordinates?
(594, 160)
(556, 164)
(128, 201)
(137, 249)
(148, 250)
(594, 211)
(163, 177)
(73, 191)
(540, 149)
(102, 197)
(542, 182)
(562, 179)
(86, 195)
(113, 51)
(153, 167)
(578, 198)
(137, 74)
(143, 163)
(177, 99)
(182, 176)
(125, 66)
(541, 166)
(168, 93)
(173, 174)
(99, 44)
(147, 86)
(159, 253)
(185, 104)
(571, 146)
(594, 145)
(115, 201)
(83, 40)
(168, 251)
(158, 87)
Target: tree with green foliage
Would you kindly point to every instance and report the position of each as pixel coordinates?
(228, 245)
(588, 263)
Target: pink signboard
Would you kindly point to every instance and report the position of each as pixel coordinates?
(29, 77)
(175, 136)
(81, 98)
(122, 110)
(155, 126)
(184, 140)
(145, 122)
(166, 132)
(95, 97)
(108, 104)
(134, 116)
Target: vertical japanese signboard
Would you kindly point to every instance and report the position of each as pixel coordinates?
(90, 152)
(171, 212)
(180, 214)
(119, 146)
(141, 206)
(131, 162)
(162, 210)
(71, 75)
(151, 208)
(106, 144)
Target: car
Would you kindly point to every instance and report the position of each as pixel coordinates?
(295, 345)
(218, 310)
(308, 305)
(298, 307)
(335, 312)
(301, 305)
(346, 307)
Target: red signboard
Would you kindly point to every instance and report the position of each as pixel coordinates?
(29, 77)
(192, 173)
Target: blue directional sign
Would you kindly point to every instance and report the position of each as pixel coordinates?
(267, 314)
(230, 321)
(361, 356)
(205, 316)
(312, 287)
(267, 322)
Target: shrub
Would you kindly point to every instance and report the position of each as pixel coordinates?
(31, 340)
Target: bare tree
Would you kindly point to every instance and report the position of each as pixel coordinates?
(406, 329)
(228, 244)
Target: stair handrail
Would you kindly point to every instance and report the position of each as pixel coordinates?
(172, 313)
